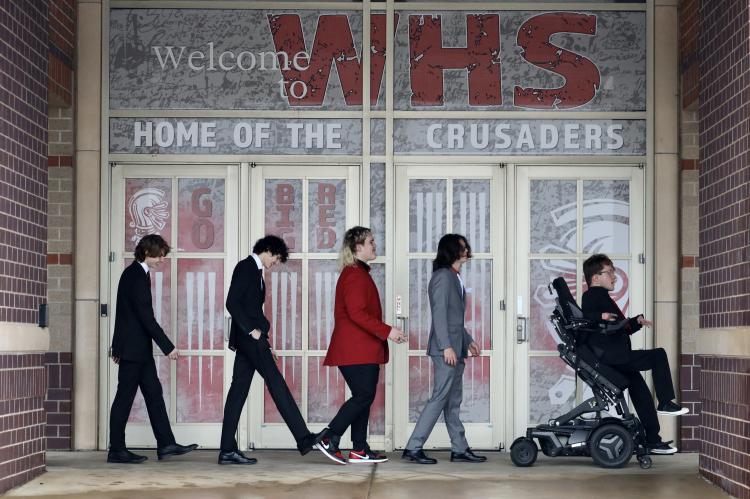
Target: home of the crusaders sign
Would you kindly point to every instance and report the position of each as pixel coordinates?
(460, 61)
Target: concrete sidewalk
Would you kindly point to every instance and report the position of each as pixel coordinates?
(285, 474)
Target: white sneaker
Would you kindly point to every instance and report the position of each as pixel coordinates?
(671, 409)
(365, 456)
(662, 448)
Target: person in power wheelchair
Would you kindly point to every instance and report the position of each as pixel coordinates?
(614, 350)
(610, 441)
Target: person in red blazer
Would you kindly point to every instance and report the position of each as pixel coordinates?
(358, 346)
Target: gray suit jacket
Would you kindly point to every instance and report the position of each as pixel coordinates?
(448, 306)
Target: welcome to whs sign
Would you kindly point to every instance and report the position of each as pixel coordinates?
(214, 59)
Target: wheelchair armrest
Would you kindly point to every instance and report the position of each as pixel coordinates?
(609, 327)
(578, 326)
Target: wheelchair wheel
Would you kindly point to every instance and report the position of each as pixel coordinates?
(611, 446)
(645, 462)
(523, 452)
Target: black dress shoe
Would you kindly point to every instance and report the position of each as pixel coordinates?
(418, 456)
(124, 457)
(174, 450)
(467, 456)
(307, 443)
(235, 457)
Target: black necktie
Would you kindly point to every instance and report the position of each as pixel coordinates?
(148, 277)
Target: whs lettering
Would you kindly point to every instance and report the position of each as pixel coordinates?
(305, 65)
(333, 43)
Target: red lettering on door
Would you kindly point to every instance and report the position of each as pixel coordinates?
(285, 205)
(202, 232)
(326, 215)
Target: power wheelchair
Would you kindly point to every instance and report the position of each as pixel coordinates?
(609, 441)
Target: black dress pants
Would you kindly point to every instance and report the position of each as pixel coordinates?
(130, 377)
(657, 362)
(255, 355)
(362, 380)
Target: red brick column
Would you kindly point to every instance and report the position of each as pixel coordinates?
(23, 160)
(59, 368)
(724, 245)
(62, 32)
(22, 419)
(725, 423)
(689, 166)
(690, 432)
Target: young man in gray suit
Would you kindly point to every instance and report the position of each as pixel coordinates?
(448, 346)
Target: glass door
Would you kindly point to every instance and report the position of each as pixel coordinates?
(189, 207)
(430, 202)
(310, 208)
(564, 215)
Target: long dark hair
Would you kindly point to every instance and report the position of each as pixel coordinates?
(449, 250)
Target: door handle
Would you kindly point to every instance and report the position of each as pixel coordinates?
(227, 328)
(404, 323)
(522, 333)
(403, 320)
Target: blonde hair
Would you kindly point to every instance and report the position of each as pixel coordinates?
(354, 236)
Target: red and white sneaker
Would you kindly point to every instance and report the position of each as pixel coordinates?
(366, 456)
(329, 447)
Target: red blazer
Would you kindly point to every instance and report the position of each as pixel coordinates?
(359, 335)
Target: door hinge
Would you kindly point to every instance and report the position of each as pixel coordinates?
(641, 166)
(641, 258)
(502, 304)
(111, 256)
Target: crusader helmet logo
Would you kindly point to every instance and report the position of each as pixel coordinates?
(604, 221)
(148, 212)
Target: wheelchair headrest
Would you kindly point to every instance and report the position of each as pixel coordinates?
(565, 302)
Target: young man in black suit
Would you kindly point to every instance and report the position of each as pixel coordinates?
(135, 328)
(614, 350)
(249, 339)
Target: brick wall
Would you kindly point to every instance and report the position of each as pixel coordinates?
(61, 51)
(690, 397)
(57, 402)
(725, 423)
(60, 278)
(723, 381)
(22, 420)
(23, 160)
(689, 35)
(724, 165)
(689, 283)
(36, 63)
(689, 213)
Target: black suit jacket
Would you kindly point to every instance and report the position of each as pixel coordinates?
(612, 348)
(135, 324)
(245, 301)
